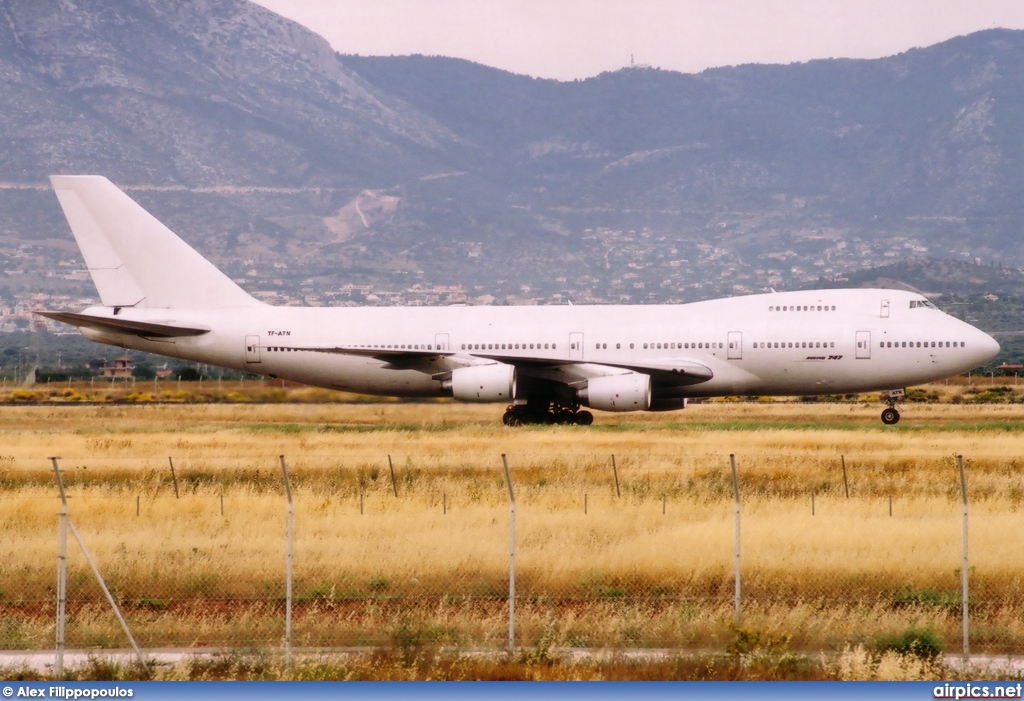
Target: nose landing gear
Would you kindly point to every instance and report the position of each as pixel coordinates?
(891, 415)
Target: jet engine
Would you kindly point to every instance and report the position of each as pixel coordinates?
(628, 392)
(483, 383)
(667, 404)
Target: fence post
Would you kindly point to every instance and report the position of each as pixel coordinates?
(964, 563)
(846, 484)
(288, 567)
(96, 573)
(511, 558)
(615, 471)
(62, 573)
(394, 484)
(736, 501)
(174, 477)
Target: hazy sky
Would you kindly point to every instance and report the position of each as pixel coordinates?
(568, 39)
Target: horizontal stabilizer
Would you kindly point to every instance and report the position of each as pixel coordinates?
(147, 329)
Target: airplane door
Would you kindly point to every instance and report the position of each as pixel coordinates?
(441, 341)
(576, 346)
(864, 344)
(885, 309)
(735, 350)
(252, 349)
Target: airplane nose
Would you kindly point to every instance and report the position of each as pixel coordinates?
(986, 347)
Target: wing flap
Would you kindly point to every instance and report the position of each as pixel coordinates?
(676, 372)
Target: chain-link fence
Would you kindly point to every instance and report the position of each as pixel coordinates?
(388, 553)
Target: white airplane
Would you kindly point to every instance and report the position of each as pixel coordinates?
(159, 295)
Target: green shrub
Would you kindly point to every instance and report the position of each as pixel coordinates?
(924, 643)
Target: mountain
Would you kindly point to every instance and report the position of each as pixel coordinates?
(318, 177)
(933, 277)
(923, 145)
(216, 92)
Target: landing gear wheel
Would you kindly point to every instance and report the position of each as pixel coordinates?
(511, 418)
(890, 416)
(584, 418)
(561, 418)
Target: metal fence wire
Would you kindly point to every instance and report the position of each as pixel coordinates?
(397, 559)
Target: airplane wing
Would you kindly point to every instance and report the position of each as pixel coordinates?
(674, 372)
(147, 329)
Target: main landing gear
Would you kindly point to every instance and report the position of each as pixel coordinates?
(552, 414)
(891, 415)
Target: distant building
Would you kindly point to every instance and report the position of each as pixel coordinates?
(121, 368)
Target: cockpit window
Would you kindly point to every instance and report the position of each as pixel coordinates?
(915, 303)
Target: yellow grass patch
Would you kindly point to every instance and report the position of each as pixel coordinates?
(651, 565)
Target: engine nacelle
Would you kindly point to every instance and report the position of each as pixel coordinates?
(483, 383)
(667, 404)
(628, 392)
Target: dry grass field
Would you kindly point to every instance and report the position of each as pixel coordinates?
(650, 565)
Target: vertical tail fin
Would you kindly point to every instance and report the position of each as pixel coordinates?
(134, 260)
